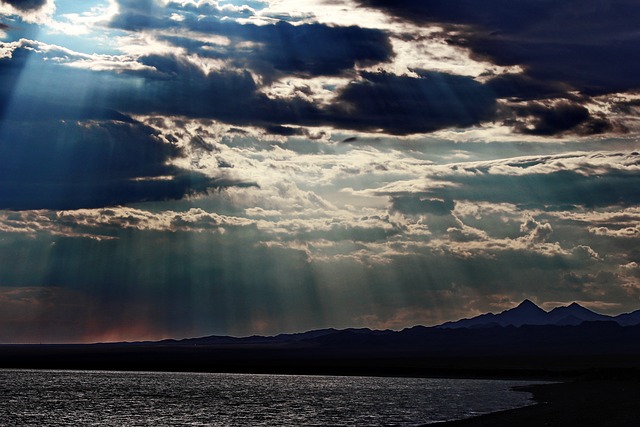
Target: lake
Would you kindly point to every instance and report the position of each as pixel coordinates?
(57, 398)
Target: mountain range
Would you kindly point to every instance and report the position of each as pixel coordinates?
(524, 340)
(528, 313)
(524, 329)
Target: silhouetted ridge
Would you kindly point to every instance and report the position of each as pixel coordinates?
(575, 311)
(506, 342)
(629, 319)
(588, 337)
(528, 313)
(526, 326)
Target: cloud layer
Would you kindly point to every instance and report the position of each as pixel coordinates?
(182, 168)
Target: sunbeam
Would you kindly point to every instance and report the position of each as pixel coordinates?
(171, 169)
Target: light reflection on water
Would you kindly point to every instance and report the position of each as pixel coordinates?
(56, 398)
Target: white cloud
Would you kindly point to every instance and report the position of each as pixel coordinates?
(193, 220)
(70, 58)
(632, 232)
(77, 24)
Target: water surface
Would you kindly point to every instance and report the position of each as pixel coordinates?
(57, 398)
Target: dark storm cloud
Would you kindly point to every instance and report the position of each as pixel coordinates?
(532, 112)
(538, 119)
(285, 131)
(377, 102)
(489, 14)
(178, 87)
(318, 49)
(170, 85)
(313, 49)
(591, 45)
(25, 5)
(421, 205)
(394, 104)
(523, 87)
(60, 165)
(403, 105)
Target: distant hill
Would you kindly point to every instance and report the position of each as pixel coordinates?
(525, 340)
(523, 330)
(528, 313)
(526, 324)
(588, 339)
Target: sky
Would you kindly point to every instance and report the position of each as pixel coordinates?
(181, 168)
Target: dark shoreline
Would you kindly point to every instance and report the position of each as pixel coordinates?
(579, 403)
(286, 360)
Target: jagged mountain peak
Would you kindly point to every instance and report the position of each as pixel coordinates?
(574, 306)
(575, 310)
(528, 313)
(527, 303)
